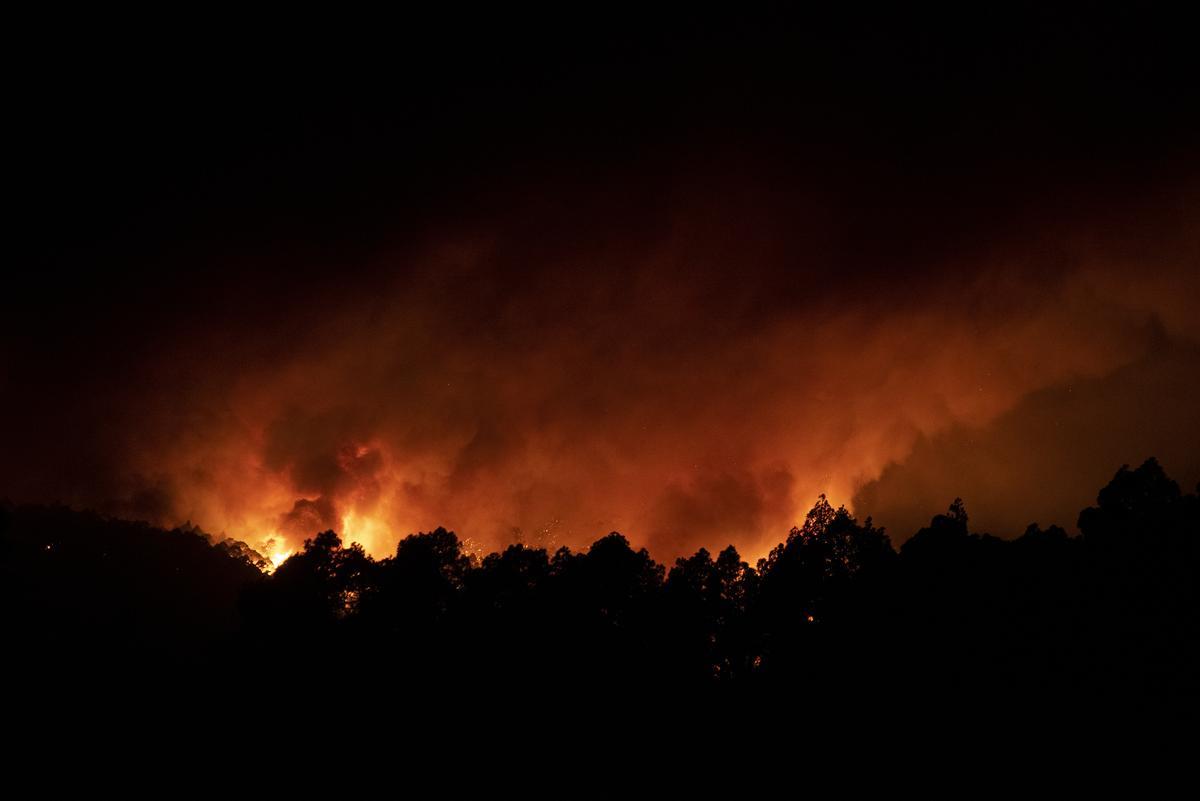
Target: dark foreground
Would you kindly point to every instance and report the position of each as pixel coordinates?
(835, 615)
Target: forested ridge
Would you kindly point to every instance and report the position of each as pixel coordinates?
(834, 608)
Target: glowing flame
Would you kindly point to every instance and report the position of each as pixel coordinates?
(278, 557)
(276, 549)
(368, 531)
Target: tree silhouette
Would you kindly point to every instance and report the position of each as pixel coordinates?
(827, 573)
(417, 587)
(310, 591)
(809, 572)
(831, 612)
(706, 601)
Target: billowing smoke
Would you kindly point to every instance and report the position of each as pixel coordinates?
(689, 360)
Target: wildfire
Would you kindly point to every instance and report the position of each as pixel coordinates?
(368, 531)
(278, 557)
(276, 550)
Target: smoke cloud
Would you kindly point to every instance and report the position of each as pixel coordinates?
(688, 358)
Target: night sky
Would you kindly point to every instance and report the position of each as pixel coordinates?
(539, 277)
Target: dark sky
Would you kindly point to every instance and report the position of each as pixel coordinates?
(543, 276)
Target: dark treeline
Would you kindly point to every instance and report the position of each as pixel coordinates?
(834, 610)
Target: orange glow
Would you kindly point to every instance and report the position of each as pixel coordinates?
(276, 550)
(279, 557)
(685, 395)
(372, 533)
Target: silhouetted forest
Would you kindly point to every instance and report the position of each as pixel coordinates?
(834, 610)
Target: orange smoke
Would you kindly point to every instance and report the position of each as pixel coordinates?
(544, 378)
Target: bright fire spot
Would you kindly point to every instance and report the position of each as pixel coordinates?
(369, 532)
(277, 558)
(276, 550)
